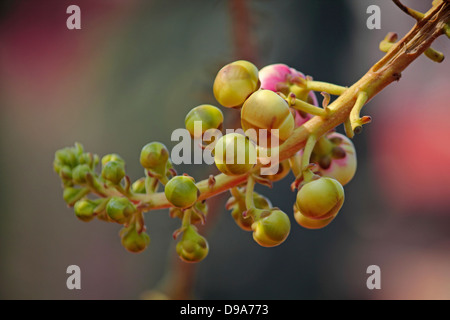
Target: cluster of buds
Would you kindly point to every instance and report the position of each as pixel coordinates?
(279, 102)
(283, 130)
(77, 171)
(273, 102)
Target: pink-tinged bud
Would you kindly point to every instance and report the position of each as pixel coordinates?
(343, 164)
(281, 78)
(335, 157)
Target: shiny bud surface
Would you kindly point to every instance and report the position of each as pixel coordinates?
(235, 82)
(234, 154)
(272, 229)
(181, 191)
(321, 198)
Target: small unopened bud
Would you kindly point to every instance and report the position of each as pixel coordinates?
(181, 191)
(79, 174)
(321, 198)
(282, 78)
(139, 186)
(120, 209)
(272, 229)
(234, 154)
(154, 157)
(113, 171)
(66, 156)
(343, 163)
(72, 195)
(192, 247)
(209, 117)
(112, 157)
(235, 82)
(266, 110)
(90, 159)
(84, 209)
(65, 172)
(134, 241)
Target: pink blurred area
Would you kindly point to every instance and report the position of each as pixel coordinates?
(410, 141)
(41, 58)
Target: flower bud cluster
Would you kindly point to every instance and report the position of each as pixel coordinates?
(269, 101)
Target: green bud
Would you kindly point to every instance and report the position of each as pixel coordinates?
(72, 195)
(138, 186)
(181, 191)
(66, 156)
(134, 241)
(192, 247)
(113, 171)
(79, 174)
(120, 209)
(112, 157)
(320, 199)
(210, 117)
(154, 157)
(90, 159)
(65, 173)
(234, 154)
(272, 228)
(84, 209)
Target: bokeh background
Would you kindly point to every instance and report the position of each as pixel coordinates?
(131, 74)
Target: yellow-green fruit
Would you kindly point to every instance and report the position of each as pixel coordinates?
(321, 198)
(311, 223)
(181, 191)
(266, 110)
(192, 246)
(271, 230)
(134, 241)
(84, 209)
(234, 154)
(235, 82)
(210, 117)
(120, 209)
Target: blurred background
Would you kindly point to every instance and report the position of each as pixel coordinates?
(130, 76)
